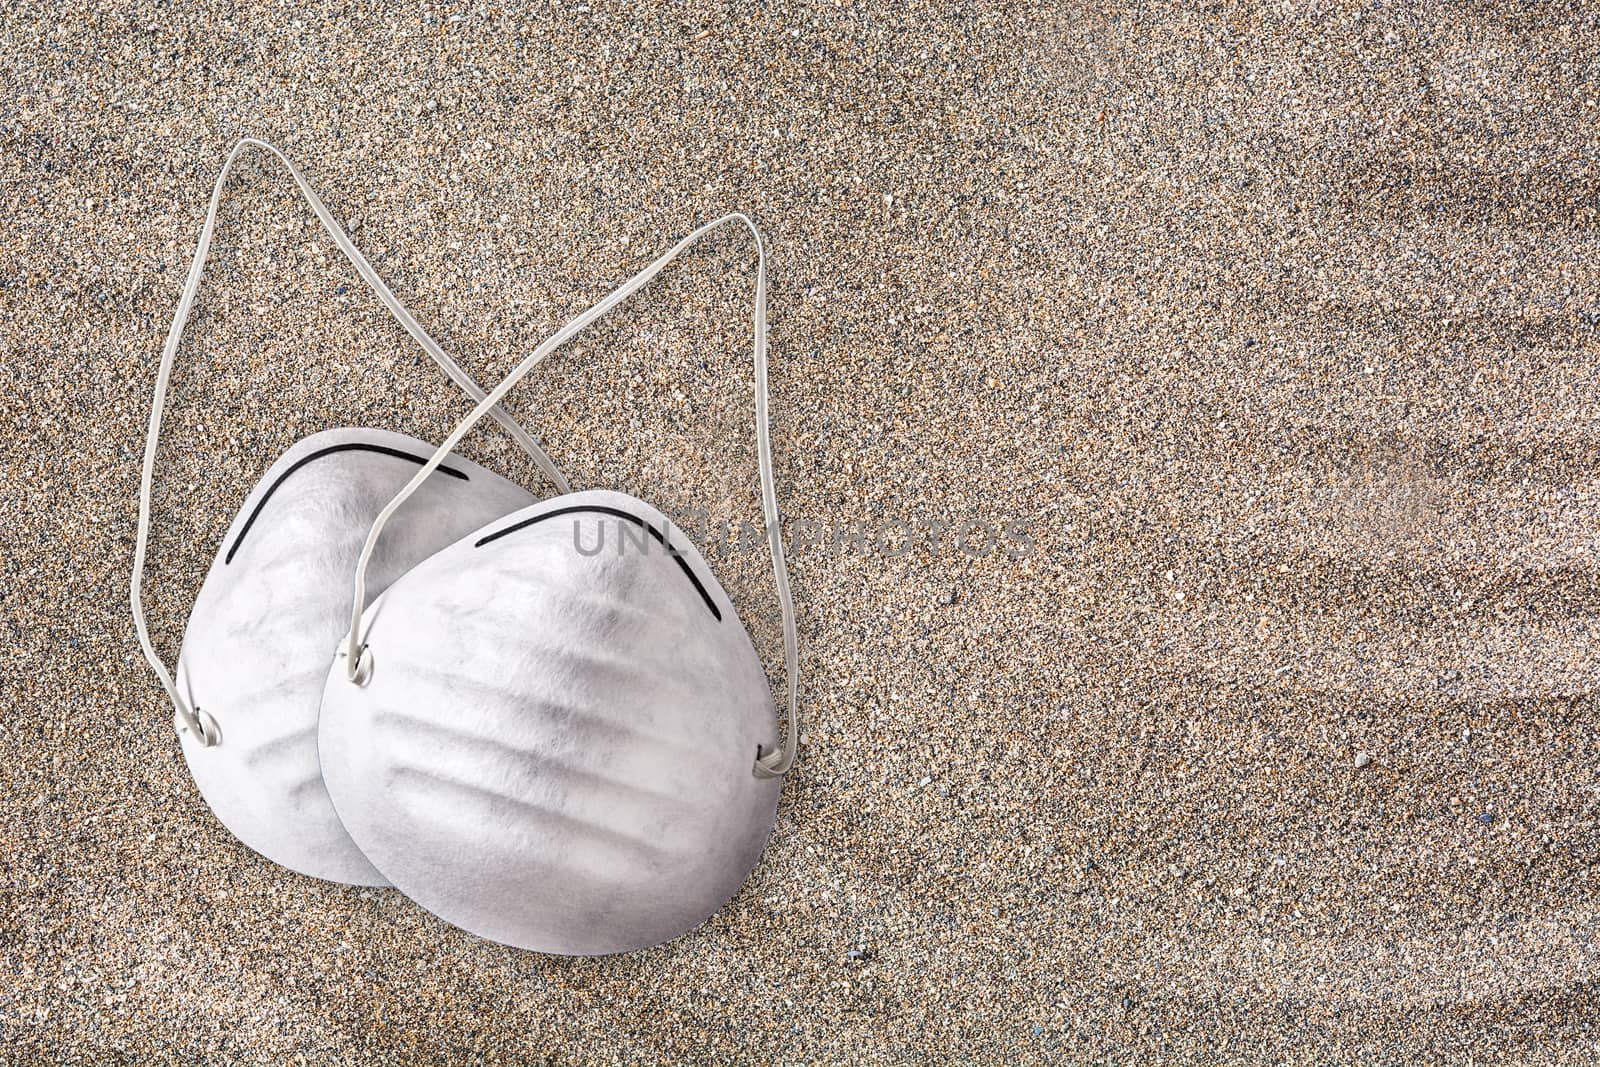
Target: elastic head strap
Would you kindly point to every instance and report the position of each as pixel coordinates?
(770, 765)
(200, 724)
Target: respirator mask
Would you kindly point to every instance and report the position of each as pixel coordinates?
(541, 720)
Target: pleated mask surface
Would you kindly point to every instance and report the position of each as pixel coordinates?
(277, 598)
(556, 733)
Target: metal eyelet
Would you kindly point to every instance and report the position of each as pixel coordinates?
(362, 674)
(764, 762)
(200, 725)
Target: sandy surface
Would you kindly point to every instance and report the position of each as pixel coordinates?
(1277, 329)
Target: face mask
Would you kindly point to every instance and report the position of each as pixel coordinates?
(254, 658)
(555, 733)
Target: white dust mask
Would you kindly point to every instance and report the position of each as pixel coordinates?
(254, 658)
(555, 733)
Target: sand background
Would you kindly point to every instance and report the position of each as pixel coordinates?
(1277, 327)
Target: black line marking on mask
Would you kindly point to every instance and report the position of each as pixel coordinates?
(382, 450)
(602, 509)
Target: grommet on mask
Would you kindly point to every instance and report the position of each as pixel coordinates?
(361, 673)
(254, 657)
(558, 749)
(199, 724)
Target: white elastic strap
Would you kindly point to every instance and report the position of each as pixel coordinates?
(773, 763)
(206, 730)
